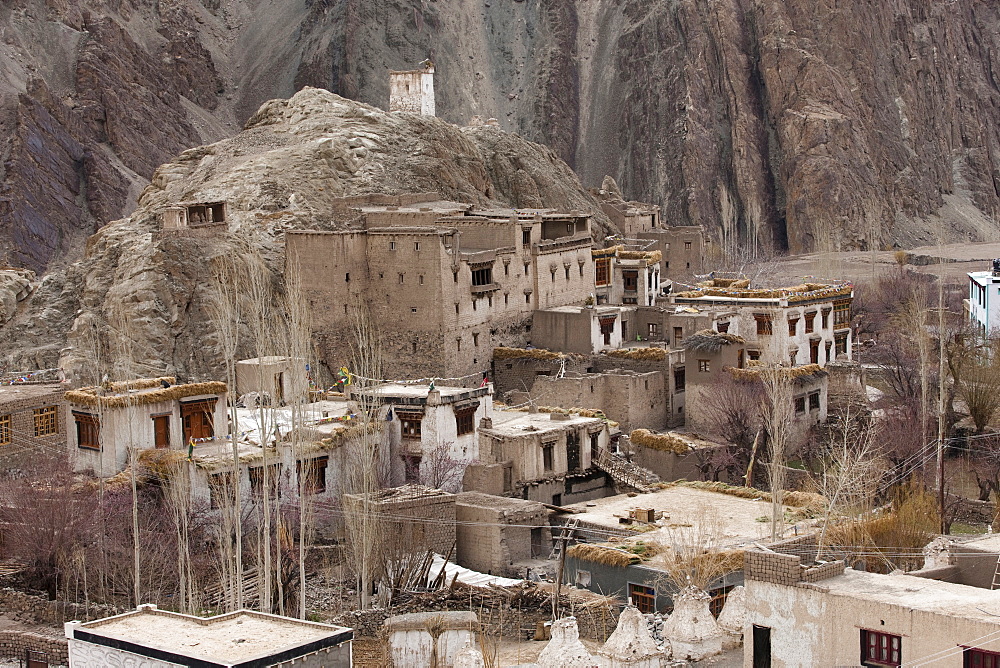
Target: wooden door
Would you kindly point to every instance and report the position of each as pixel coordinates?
(161, 431)
(197, 418)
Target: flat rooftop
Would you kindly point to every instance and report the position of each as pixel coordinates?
(908, 591)
(27, 391)
(446, 207)
(224, 640)
(419, 392)
(500, 503)
(728, 521)
(515, 423)
(319, 416)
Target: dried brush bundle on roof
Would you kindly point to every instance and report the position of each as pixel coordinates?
(710, 341)
(809, 501)
(799, 374)
(606, 252)
(603, 554)
(504, 353)
(88, 396)
(662, 442)
(651, 257)
(139, 384)
(646, 354)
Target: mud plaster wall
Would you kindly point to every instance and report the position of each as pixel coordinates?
(633, 399)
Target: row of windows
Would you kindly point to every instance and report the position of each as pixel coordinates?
(410, 422)
(878, 650)
(841, 317)
(311, 474)
(46, 423)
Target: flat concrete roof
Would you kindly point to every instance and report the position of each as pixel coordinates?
(729, 521)
(22, 391)
(420, 392)
(988, 542)
(537, 423)
(954, 600)
(224, 640)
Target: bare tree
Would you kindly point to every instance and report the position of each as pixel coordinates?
(365, 461)
(852, 469)
(975, 366)
(777, 412)
(440, 470)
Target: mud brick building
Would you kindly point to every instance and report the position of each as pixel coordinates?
(444, 283)
(496, 535)
(802, 324)
(32, 423)
(417, 518)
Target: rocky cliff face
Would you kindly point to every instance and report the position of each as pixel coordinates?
(287, 170)
(799, 124)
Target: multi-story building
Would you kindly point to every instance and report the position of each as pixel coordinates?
(431, 431)
(32, 423)
(804, 324)
(626, 277)
(444, 284)
(983, 304)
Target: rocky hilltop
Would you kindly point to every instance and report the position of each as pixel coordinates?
(799, 124)
(288, 169)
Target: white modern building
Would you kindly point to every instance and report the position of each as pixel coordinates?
(983, 304)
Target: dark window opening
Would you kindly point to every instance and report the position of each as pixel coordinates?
(814, 401)
(679, 379)
(411, 468)
(764, 324)
(482, 276)
(465, 420)
(643, 597)
(548, 450)
(573, 451)
(256, 474)
(312, 475)
(602, 271)
(630, 279)
(88, 431)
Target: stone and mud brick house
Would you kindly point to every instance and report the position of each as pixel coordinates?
(245, 638)
(276, 377)
(442, 282)
(501, 535)
(417, 518)
(682, 248)
(800, 612)
(544, 457)
(797, 325)
(151, 413)
(626, 277)
(431, 432)
(413, 90)
(32, 423)
(619, 545)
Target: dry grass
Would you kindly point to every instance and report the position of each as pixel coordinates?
(808, 501)
(709, 340)
(798, 373)
(504, 353)
(795, 293)
(662, 442)
(646, 354)
(90, 396)
(603, 554)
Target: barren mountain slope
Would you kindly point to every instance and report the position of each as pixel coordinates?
(285, 171)
(811, 124)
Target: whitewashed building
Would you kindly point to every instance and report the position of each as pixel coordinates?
(983, 303)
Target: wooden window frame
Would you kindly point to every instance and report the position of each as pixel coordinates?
(482, 276)
(799, 404)
(88, 431)
(793, 326)
(841, 313)
(642, 599)
(973, 657)
(814, 401)
(222, 481)
(548, 456)
(465, 420)
(255, 474)
(314, 470)
(602, 271)
(704, 366)
(630, 277)
(765, 324)
(46, 421)
(810, 319)
(410, 424)
(6, 430)
(885, 652)
(680, 379)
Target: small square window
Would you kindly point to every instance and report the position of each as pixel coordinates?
(704, 366)
(413, 309)
(392, 245)
(416, 245)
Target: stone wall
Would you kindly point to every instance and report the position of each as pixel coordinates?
(785, 569)
(15, 645)
(634, 399)
(24, 399)
(44, 611)
(495, 533)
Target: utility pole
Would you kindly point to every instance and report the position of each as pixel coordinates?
(567, 533)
